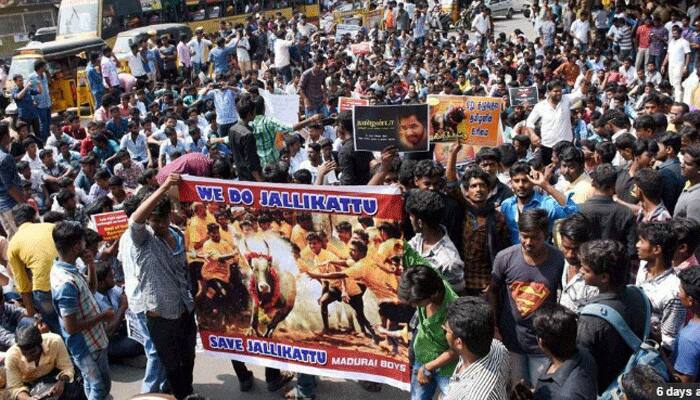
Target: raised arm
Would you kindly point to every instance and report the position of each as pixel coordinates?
(144, 211)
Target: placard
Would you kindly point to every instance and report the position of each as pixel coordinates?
(474, 120)
(111, 225)
(522, 95)
(404, 126)
(347, 103)
(283, 107)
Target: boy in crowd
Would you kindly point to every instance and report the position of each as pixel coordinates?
(422, 287)
(425, 210)
(82, 322)
(573, 232)
(605, 265)
(687, 363)
(657, 278)
(483, 371)
(687, 232)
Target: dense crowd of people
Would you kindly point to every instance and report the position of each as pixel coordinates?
(545, 261)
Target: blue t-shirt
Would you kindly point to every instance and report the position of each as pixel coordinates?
(688, 350)
(119, 128)
(219, 57)
(26, 109)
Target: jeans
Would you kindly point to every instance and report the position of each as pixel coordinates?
(197, 68)
(317, 109)
(427, 391)
(527, 366)
(94, 368)
(175, 341)
(43, 304)
(286, 73)
(44, 121)
(154, 379)
(306, 385)
(98, 98)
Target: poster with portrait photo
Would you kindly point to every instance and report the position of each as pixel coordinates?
(403, 126)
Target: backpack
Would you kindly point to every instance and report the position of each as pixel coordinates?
(645, 351)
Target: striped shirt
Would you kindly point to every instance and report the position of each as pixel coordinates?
(72, 296)
(666, 307)
(165, 281)
(486, 379)
(265, 131)
(623, 37)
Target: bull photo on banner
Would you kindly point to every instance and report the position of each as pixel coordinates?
(403, 126)
(473, 120)
(299, 277)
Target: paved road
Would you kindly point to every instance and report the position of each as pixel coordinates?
(214, 377)
(517, 22)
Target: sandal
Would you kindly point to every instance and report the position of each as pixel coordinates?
(295, 395)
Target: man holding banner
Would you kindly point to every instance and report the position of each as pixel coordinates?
(160, 250)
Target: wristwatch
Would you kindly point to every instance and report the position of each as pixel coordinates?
(427, 372)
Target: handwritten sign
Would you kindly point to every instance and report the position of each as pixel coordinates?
(111, 225)
(474, 120)
(347, 103)
(284, 107)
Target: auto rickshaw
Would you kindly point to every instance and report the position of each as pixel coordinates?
(64, 59)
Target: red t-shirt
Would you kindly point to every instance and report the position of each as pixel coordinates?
(643, 36)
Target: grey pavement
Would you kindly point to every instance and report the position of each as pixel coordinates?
(214, 378)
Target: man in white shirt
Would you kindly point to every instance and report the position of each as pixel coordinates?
(628, 70)
(554, 115)
(677, 59)
(198, 47)
(282, 57)
(482, 25)
(580, 30)
(690, 85)
(135, 62)
(108, 66)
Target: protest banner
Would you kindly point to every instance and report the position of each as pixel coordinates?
(283, 107)
(474, 120)
(347, 103)
(110, 225)
(347, 29)
(403, 126)
(522, 95)
(257, 300)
